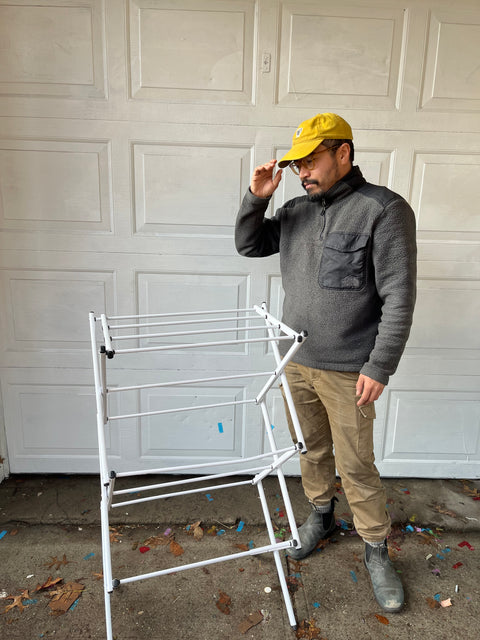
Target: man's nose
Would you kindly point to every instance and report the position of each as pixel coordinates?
(304, 172)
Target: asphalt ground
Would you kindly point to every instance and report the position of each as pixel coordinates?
(52, 544)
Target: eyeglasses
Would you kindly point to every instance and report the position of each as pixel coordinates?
(309, 161)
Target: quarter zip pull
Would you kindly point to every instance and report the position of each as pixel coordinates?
(322, 213)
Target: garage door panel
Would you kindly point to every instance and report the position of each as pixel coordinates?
(47, 309)
(167, 176)
(54, 49)
(309, 70)
(434, 424)
(436, 176)
(69, 185)
(441, 300)
(52, 412)
(452, 83)
(206, 51)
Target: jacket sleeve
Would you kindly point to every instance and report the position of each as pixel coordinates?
(394, 256)
(255, 235)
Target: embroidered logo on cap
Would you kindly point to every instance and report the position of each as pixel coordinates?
(298, 132)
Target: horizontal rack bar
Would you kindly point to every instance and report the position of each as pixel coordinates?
(181, 409)
(176, 383)
(194, 321)
(174, 483)
(203, 465)
(174, 494)
(194, 565)
(192, 345)
(197, 332)
(180, 313)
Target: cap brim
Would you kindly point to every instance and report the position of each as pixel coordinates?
(299, 151)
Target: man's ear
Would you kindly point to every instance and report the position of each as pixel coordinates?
(343, 154)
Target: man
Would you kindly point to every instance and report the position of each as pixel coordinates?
(348, 262)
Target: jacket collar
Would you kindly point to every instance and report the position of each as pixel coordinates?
(349, 183)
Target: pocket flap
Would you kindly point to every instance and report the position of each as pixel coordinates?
(346, 241)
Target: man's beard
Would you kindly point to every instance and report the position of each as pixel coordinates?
(314, 197)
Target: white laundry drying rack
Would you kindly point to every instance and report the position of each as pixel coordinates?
(106, 334)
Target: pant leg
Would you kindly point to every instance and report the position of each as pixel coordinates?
(352, 435)
(318, 464)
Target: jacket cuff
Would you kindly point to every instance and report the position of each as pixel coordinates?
(371, 371)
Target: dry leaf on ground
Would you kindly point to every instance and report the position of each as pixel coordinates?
(49, 583)
(157, 541)
(114, 535)
(382, 619)
(308, 629)
(223, 603)
(57, 563)
(175, 548)
(17, 601)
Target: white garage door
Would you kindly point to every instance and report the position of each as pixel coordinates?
(128, 134)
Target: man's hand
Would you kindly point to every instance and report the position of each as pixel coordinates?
(263, 183)
(368, 389)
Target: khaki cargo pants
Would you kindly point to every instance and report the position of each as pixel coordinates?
(329, 417)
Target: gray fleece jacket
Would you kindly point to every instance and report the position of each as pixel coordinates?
(348, 263)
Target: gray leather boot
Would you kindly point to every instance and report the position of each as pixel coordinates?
(318, 526)
(387, 586)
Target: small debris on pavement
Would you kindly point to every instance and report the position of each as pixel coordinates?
(195, 529)
(55, 562)
(115, 535)
(223, 603)
(466, 544)
(64, 597)
(250, 621)
(175, 548)
(308, 629)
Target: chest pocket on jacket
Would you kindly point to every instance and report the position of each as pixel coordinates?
(343, 263)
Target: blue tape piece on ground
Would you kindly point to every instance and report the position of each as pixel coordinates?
(209, 497)
(74, 604)
(3, 534)
(240, 525)
(88, 556)
(354, 576)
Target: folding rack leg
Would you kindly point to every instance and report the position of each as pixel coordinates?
(278, 561)
(107, 561)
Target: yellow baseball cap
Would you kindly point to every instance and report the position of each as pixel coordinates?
(311, 133)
